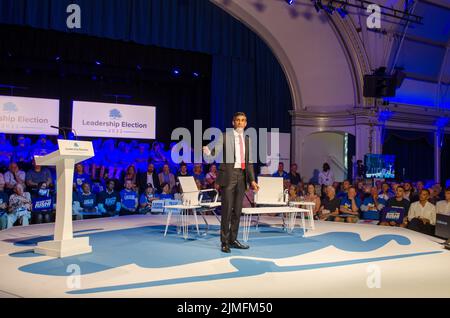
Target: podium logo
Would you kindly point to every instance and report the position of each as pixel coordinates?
(10, 107)
(76, 145)
(115, 114)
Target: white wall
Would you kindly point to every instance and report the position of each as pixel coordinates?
(317, 148)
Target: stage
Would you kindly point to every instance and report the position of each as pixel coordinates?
(131, 258)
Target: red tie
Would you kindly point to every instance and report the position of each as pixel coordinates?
(241, 145)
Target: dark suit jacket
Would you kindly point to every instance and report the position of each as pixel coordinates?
(226, 145)
(142, 180)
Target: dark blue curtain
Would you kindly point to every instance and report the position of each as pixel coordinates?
(246, 75)
(414, 151)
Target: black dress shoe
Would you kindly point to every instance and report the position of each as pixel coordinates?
(225, 248)
(237, 244)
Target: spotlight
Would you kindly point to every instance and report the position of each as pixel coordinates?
(289, 2)
(342, 12)
(139, 67)
(98, 63)
(176, 71)
(195, 74)
(58, 58)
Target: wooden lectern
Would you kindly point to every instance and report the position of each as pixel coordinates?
(64, 244)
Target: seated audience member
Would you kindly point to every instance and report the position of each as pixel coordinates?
(165, 192)
(386, 192)
(293, 194)
(373, 202)
(80, 177)
(345, 187)
(286, 184)
(13, 176)
(6, 151)
(149, 177)
(111, 157)
(94, 165)
(419, 187)
(422, 214)
(399, 203)
(98, 185)
(109, 200)
(409, 191)
(129, 199)
(198, 173)
(22, 151)
(87, 199)
(360, 190)
(301, 189)
(294, 176)
(349, 207)
(146, 199)
(43, 204)
(311, 196)
(167, 177)
(280, 172)
(157, 153)
(37, 175)
(19, 207)
(2, 182)
(330, 205)
(436, 194)
(211, 177)
(4, 199)
(443, 207)
(130, 174)
(141, 158)
(183, 171)
(43, 146)
(326, 176)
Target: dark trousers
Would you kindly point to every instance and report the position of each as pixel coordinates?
(232, 197)
(418, 226)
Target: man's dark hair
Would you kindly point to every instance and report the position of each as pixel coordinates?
(426, 190)
(239, 114)
(447, 189)
(400, 187)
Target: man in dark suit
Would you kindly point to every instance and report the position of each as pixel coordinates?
(148, 177)
(235, 172)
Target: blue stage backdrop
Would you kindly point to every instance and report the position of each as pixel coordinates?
(246, 76)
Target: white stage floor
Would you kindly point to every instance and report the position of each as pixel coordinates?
(131, 258)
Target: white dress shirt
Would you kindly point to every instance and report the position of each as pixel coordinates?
(326, 178)
(150, 179)
(237, 150)
(428, 211)
(443, 207)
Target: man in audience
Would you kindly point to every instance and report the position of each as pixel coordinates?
(400, 204)
(38, 175)
(87, 199)
(330, 205)
(436, 193)
(422, 214)
(386, 192)
(13, 176)
(80, 177)
(4, 199)
(419, 187)
(183, 171)
(443, 207)
(280, 172)
(19, 207)
(373, 202)
(42, 147)
(22, 151)
(294, 176)
(349, 207)
(167, 177)
(409, 191)
(345, 187)
(109, 200)
(198, 174)
(149, 177)
(129, 199)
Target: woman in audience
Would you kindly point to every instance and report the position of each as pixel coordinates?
(293, 193)
(80, 177)
(130, 174)
(166, 193)
(157, 154)
(311, 196)
(4, 200)
(19, 206)
(326, 176)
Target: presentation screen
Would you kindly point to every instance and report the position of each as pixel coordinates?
(24, 115)
(379, 166)
(91, 119)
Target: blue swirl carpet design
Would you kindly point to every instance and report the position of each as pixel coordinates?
(147, 248)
